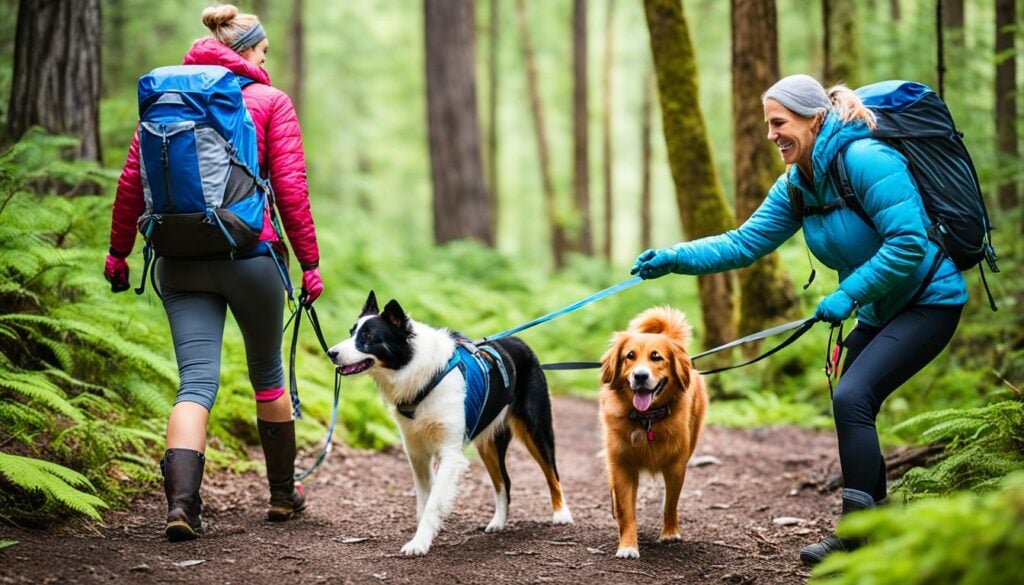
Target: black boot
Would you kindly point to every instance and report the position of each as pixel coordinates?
(853, 501)
(183, 474)
(286, 494)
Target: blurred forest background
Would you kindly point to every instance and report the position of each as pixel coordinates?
(588, 130)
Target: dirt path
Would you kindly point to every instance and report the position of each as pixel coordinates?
(363, 510)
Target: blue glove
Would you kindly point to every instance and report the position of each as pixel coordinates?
(657, 263)
(835, 308)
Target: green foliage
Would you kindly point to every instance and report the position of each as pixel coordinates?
(6, 543)
(57, 483)
(983, 445)
(963, 539)
(78, 407)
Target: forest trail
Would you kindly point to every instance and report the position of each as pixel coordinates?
(744, 519)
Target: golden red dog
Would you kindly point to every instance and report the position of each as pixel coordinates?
(652, 406)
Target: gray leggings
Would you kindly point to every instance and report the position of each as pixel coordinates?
(196, 296)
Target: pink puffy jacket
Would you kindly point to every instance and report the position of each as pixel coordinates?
(280, 152)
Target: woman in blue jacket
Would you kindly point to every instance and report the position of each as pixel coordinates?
(904, 318)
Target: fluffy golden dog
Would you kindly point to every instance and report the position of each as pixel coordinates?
(652, 406)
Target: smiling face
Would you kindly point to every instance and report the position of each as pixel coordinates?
(376, 339)
(645, 364)
(792, 133)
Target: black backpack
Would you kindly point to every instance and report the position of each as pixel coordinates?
(914, 120)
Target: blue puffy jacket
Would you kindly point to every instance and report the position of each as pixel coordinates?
(881, 268)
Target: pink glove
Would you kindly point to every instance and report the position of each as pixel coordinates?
(312, 285)
(116, 272)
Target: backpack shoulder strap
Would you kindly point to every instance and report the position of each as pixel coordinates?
(847, 194)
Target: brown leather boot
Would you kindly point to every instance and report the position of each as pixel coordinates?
(183, 475)
(286, 495)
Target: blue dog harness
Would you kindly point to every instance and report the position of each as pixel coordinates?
(489, 384)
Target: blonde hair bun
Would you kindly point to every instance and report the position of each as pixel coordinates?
(215, 17)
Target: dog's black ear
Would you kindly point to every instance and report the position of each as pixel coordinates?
(370, 306)
(394, 315)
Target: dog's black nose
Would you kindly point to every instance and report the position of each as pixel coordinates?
(332, 353)
(640, 376)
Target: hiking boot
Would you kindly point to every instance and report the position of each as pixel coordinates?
(853, 501)
(183, 474)
(287, 497)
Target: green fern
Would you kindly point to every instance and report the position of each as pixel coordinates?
(55, 481)
(983, 445)
(34, 386)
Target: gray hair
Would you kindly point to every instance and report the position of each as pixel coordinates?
(801, 94)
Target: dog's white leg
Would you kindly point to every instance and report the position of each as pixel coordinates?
(439, 503)
(422, 476)
(497, 523)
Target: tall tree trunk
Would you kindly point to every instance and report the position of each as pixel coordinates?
(647, 142)
(581, 151)
(954, 55)
(894, 10)
(606, 131)
(766, 293)
(297, 54)
(259, 7)
(953, 13)
(699, 196)
(461, 205)
(116, 56)
(1006, 104)
(559, 241)
(842, 49)
(492, 113)
(56, 78)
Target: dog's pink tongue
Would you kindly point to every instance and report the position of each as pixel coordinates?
(642, 400)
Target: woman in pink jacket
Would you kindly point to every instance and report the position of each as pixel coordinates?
(197, 292)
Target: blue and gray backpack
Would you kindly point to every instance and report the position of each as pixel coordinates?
(199, 164)
(914, 120)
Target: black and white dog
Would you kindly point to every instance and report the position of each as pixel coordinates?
(427, 376)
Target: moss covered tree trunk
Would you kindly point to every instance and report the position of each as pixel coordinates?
(699, 197)
(1006, 105)
(842, 49)
(766, 293)
(580, 134)
(559, 238)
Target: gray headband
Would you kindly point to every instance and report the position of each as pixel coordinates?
(801, 94)
(249, 38)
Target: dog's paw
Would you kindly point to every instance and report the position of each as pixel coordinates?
(563, 516)
(627, 553)
(415, 548)
(496, 525)
(670, 538)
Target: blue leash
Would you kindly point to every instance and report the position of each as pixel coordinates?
(577, 305)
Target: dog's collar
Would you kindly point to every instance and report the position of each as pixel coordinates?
(408, 409)
(647, 418)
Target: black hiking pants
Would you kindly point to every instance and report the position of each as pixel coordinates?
(878, 361)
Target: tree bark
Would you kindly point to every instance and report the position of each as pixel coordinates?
(297, 54)
(647, 142)
(559, 241)
(606, 133)
(581, 151)
(56, 83)
(461, 204)
(699, 196)
(1006, 105)
(953, 13)
(766, 293)
(842, 50)
(492, 113)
